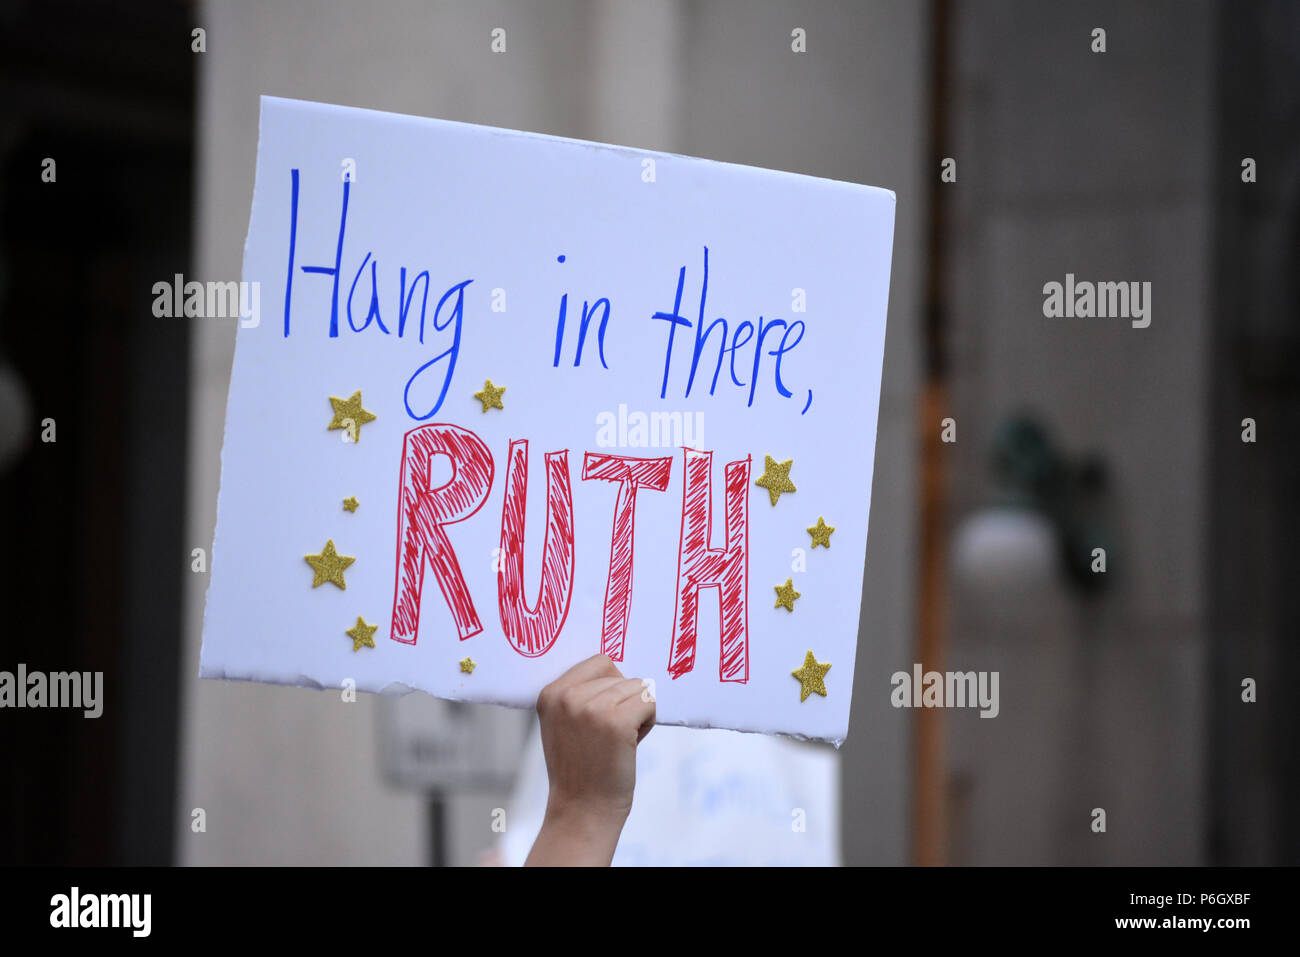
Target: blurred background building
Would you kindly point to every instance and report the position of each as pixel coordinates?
(1120, 691)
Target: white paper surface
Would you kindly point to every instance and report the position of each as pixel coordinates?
(489, 212)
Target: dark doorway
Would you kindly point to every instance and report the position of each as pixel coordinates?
(1253, 563)
(91, 532)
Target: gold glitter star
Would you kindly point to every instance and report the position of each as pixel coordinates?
(810, 677)
(821, 533)
(776, 477)
(362, 634)
(328, 566)
(467, 665)
(349, 415)
(491, 395)
(785, 595)
(350, 504)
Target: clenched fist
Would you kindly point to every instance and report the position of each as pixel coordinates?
(592, 719)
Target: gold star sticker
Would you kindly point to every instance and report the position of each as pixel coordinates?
(821, 533)
(329, 566)
(810, 677)
(362, 634)
(349, 415)
(467, 665)
(785, 595)
(491, 395)
(776, 477)
(350, 504)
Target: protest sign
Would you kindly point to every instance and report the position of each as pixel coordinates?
(511, 400)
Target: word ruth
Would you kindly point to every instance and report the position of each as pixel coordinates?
(531, 629)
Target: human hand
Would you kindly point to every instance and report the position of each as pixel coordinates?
(592, 720)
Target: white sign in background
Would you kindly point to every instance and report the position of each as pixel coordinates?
(515, 230)
(450, 746)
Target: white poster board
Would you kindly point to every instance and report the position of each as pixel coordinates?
(388, 517)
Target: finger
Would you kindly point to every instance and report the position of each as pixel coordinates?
(583, 695)
(640, 709)
(597, 666)
(616, 692)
